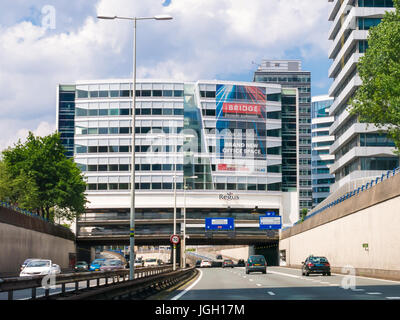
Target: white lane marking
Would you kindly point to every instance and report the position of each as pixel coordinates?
(271, 293)
(393, 298)
(259, 285)
(343, 275)
(374, 293)
(178, 296)
(251, 280)
(334, 285)
(285, 274)
(357, 290)
(324, 282)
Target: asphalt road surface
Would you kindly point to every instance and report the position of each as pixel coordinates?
(283, 284)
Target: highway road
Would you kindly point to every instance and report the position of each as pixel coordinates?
(282, 283)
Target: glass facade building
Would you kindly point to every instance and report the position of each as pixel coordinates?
(66, 116)
(321, 160)
(222, 139)
(296, 120)
(355, 143)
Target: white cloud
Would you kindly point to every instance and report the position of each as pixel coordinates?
(206, 39)
(43, 129)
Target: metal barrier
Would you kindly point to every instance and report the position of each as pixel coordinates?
(350, 194)
(10, 285)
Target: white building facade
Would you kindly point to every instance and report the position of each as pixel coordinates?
(360, 151)
(321, 141)
(227, 135)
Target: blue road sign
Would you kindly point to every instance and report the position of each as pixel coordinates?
(270, 222)
(220, 224)
(270, 213)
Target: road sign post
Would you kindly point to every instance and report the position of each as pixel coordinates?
(174, 239)
(270, 222)
(220, 224)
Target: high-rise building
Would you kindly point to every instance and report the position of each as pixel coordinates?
(65, 116)
(360, 151)
(321, 160)
(222, 139)
(296, 124)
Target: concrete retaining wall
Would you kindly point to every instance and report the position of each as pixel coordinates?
(363, 232)
(23, 237)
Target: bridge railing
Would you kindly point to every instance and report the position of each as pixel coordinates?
(349, 195)
(11, 285)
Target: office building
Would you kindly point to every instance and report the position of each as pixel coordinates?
(289, 74)
(228, 135)
(321, 160)
(361, 153)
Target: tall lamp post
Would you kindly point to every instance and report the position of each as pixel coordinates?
(132, 212)
(175, 178)
(183, 245)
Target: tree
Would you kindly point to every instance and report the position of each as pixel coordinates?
(303, 214)
(43, 179)
(377, 100)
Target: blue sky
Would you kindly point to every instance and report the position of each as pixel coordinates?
(207, 39)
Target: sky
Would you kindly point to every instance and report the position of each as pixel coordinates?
(47, 42)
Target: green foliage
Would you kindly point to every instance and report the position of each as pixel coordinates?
(377, 100)
(36, 175)
(303, 214)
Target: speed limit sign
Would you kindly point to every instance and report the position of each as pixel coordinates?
(174, 239)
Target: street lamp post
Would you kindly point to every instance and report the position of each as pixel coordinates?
(132, 212)
(175, 177)
(183, 245)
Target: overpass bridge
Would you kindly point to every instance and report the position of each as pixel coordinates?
(158, 232)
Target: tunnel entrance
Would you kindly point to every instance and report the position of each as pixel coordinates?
(270, 251)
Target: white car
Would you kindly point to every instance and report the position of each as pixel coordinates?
(205, 264)
(39, 268)
(139, 263)
(150, 262)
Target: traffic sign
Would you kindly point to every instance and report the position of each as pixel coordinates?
(174, 239)
(271, 222)
(220, 224)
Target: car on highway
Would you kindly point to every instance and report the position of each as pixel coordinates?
(256, 263)
(241, 263)
(205, 264)
(96, 264)
(228, 264)
(198, 263)
(219, 260)
(139, 263)
(150, 262)
(81, 266)
(40, 267)
(160, 262)
(316, 265)
(112, 264)
(23, 265)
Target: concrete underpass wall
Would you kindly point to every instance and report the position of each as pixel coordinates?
(341, 233)
(23, 237)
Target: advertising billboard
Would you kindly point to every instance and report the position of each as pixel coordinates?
(241, 126)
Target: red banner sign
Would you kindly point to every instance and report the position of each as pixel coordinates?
(229, 107)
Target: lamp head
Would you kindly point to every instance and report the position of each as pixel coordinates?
(163, 17)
